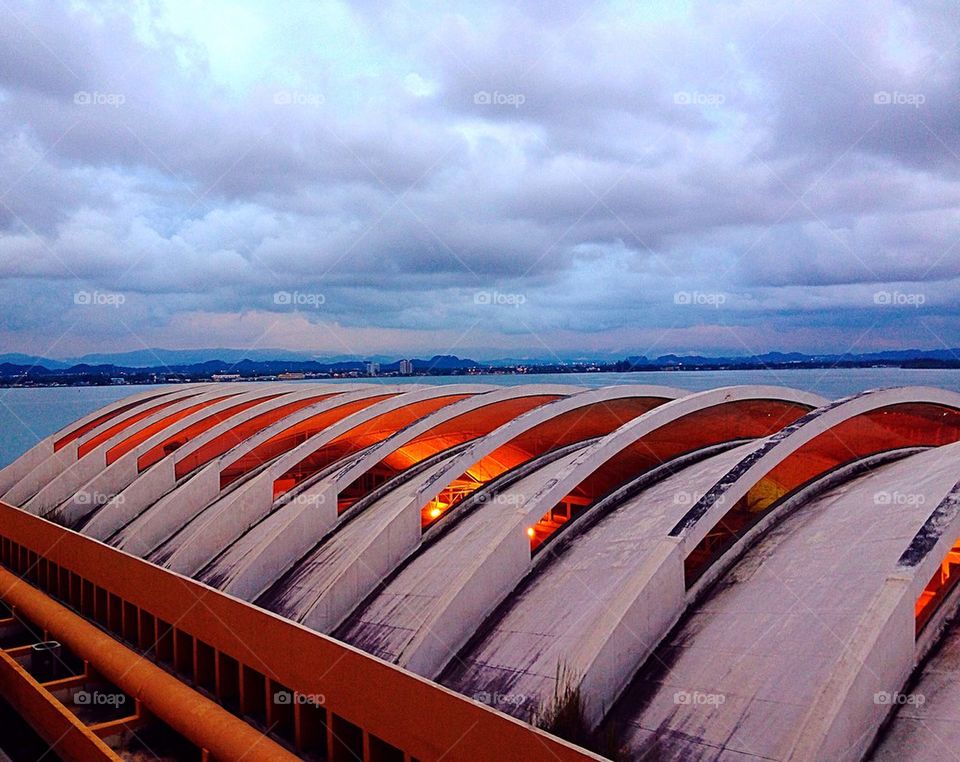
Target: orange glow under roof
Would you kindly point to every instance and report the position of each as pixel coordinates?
(134, 440)
(107, 434)
(293, 436)
(175, 441)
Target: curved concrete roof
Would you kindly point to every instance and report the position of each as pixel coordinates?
(783, 619)
(734, 573)
(251, 564)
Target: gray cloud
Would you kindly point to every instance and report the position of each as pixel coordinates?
(795, 157)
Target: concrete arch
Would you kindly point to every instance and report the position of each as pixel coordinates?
(895, 636)
(487, 577)
(689, 423)
(842, 432)
(400, 525)
(660, 591)
(267, 551)
(470, 419)
(598, 401)
(817, 600)
(40, 494)
(66, 438)
(174, 470)
(41, 463)
(128, 466)
(201, 487)
(224, 522)
(931, 555)
(267, 446)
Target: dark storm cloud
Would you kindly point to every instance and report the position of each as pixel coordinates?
(595, 160)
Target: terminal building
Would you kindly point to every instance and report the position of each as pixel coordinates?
(424, 572)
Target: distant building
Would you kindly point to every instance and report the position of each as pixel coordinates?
(292, 376)
(406, 367)
(373, 368)
(226, 376)
(118, 381)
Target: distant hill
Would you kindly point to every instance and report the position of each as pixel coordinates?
(142, 364)
(16, 365)
(15, 358)
(152, 358)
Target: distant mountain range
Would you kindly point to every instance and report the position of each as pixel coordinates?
(206, 362)
(781, 358)
(166, 362)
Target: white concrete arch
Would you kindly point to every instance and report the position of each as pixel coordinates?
(632, 432)
(146, 490)
(41, 463)
(191, 496)
(61, 483)
(371, 457)
(224, 522)
(15, 471)
(703, 516)
(482, 582)
(657, 594)
(399, 531)
(282, 538)
(354, 393)
(123, 472)
(811, 628)
(887, 648)
(530, 420)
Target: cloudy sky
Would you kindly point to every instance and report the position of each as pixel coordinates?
(476, 178)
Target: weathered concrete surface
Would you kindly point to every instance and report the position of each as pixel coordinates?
(44, 471)
(427, 611)
(748, 669)
(545, 622)
(926, 723)
(268, 549)
(792, 634)
(327, 585)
